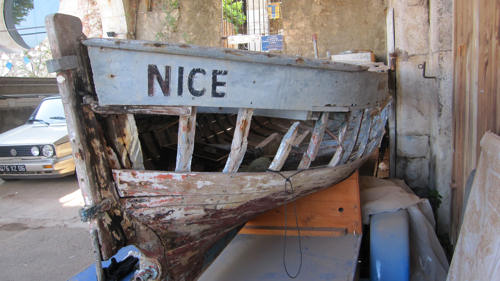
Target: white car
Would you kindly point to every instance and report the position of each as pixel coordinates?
(40, 148)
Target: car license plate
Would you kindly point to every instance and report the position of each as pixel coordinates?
(8, 169)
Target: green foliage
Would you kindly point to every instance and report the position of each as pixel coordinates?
(233, 12)
(170, 22)
(20, 9)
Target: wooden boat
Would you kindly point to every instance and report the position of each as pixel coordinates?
(248, 132)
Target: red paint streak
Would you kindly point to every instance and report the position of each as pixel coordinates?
(244, 124)
(164, 177)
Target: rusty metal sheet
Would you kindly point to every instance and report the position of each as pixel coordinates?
(185, 75)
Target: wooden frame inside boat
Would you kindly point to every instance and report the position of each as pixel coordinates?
(248, 132)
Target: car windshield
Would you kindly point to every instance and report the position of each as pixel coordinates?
(49, 112)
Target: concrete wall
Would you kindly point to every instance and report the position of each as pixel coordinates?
(14, 112)
(423, 33)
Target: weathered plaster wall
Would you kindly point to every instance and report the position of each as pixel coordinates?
(194, 22)
(423, 33)
(340, 24)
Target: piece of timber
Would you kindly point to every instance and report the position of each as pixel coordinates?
(340, 149)
(284, 148)
(64, 33)
(314, 143)
(239, 144)
(185, 141)
(363, 135)
(354, 124)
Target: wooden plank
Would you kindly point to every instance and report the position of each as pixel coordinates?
(340, 149)
(476, 253)
(133, 183)
(314, 143)
(333, 209)
(284, 148)
(354, 123)
(239, 144)
(138, 109)
(302, 137)
(364, 134)
(185, 141)
(267, 140)
(225, 78)
(476, 100)
(85, 133)
(123, 136)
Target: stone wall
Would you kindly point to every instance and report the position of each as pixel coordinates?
(193, 22)
(340, 25)
(423, 32)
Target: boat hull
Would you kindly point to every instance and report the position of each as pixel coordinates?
(191, 211)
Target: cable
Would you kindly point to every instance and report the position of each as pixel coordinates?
(288, 180)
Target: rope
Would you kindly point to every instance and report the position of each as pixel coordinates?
(290, 191)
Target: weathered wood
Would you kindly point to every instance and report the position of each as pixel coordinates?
(239, 144)
(340, 149)
(354, 123)
(64, 33)
(364, 134)
(316, 138)
(330, 212)
(301, 138)
(476, 101)
(267, 140)
(222, 189)
(476, 253)
(284, 148)
(123, 136)
(185, 141)
(232, 82)
(141, 109)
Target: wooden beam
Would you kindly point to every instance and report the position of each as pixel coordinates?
(85, 132)
(301, 138)
(185, 141)
(316, 138)
(354, 124)
(284, 148)
(364, 133)
(267, 140)
(140, 109)
(340, 149)
(239, 144)
(123, 136)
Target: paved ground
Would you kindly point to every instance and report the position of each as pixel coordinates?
(41, 236)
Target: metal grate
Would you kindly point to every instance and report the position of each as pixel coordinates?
(263, 18)
(21, 150)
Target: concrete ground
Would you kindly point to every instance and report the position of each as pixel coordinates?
(41, 236)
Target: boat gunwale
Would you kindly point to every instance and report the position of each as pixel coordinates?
(224, 54)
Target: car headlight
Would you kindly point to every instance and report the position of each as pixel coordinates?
(47, 150)
(35, 151)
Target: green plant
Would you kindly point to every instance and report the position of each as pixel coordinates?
(20, 9)
(233, 12)
(171, 10)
